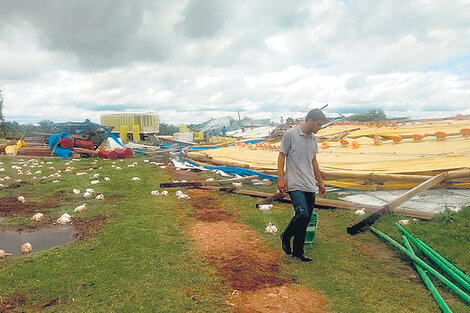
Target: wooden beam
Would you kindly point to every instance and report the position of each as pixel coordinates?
(432, 182)
(207, 183)
(271, 198)
(380, 178)
(328, 203)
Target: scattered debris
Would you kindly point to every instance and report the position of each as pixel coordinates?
(455, 209)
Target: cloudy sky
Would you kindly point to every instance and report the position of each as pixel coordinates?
(196, 59)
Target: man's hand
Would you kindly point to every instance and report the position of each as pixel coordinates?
(281, 185)
(321, 188)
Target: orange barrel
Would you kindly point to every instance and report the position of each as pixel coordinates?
(66, 142)
(85, 144)
(107, 154)
(123, 152)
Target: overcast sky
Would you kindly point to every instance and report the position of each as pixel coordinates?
(193, 60)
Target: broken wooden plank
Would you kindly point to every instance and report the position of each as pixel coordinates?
(434, 181)
(327, 203)
(272, 198)
(376, 177)
(207, 183)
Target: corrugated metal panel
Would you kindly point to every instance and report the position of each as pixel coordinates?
(148, 122)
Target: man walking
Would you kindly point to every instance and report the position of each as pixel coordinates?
(299, 148)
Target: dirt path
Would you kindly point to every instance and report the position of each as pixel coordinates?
(249, 266)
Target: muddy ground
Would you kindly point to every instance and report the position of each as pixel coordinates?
(249, 266)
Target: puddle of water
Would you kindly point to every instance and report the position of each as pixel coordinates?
(43, 239)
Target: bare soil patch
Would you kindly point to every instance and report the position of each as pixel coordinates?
(208, 207)
(287, 298)
(87, 227)
(250, 267)
(235, 250)
(10, 206)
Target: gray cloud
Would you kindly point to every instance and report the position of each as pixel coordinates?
(204, 18)
(194, 59)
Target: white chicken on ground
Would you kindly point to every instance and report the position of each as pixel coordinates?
(154, 193)
(76, 191)
(265, 207)
(100, 197)
(4, 254)
(136, 178)
(80, 208)
(87, 195)
(107, 178)
(271, 229)
(26, 248)
(64, 219)
(21, 199)
(37, 217)
(404, 222)
(164, 193)
(360, 212)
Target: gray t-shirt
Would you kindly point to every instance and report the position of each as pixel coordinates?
(299, 151)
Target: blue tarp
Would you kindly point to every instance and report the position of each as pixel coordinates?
(113, 136)
(59, 151)
(254, 141)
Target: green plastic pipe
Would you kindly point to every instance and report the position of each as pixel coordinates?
(424, 265)
(436, 260)
(427, 281)
(445, 261)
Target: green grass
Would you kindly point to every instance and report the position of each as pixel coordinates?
(143, 261)
(140, 261)
(361, 273)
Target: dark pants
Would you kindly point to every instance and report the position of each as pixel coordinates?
(303, 203)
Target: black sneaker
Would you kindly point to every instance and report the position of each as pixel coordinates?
(285, 245)
(302, 258)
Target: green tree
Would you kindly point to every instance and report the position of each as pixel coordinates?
(373, 115)
(167, 129)
(10, 130)
(46, 126)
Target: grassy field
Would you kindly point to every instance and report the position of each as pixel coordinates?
(142, 258)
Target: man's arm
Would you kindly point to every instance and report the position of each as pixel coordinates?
(318, 177)
(281, 180)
